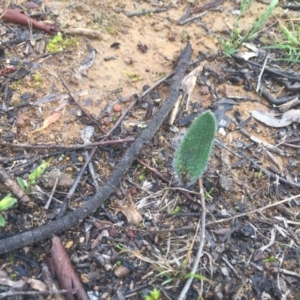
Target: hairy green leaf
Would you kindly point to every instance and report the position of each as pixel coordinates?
(195, 149)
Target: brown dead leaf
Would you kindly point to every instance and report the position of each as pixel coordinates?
(67, 277)
(132, 215)
(48, 121)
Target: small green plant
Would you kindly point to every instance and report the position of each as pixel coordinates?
(208, 194)
(289, 44)
(271, 259)
(6, 203)
(229, 47)
(195, 149)
(197, 276)
(175, 211)
(37, 79)
(33, 176)
(132, 76)
(58, 43)
(184, 37)
(119, 247)
(153, 295)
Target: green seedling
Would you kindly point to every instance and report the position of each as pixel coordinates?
(175, 211)
(142, 177)
(33, 176)
(58, 43)
(37, 79)
(6, 203)
(132, 76)
(290, 44)
(195, 149)
(154, 295)
(197, 276)
(271, 259)
(251, 34)
(184, 37)
(230, 46)
(119, 247)
(207, 194)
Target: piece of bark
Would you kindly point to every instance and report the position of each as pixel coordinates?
(12, 185)
(65, 272)
(15, 16)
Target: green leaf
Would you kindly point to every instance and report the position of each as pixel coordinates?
(197, 276)
(259, 23)
(21, 183)
(2, 221)
(153, 295)
(195, 149)
(7, 202)
(36, 173)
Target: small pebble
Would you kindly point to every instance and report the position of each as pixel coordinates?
(117, 108)
(112, 232)
(133, 190)
(130, 234)
(121, 271)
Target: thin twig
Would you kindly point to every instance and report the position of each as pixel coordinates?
(91, 117)
(75, 183)
(66, 147)
(253, 211)
(92, 172)
(52, 193)
(34, 293)
(260, 75)
(184, 291)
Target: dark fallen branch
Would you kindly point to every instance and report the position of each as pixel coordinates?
(204, 7)
(145, 12)
(287, 74)
(279, 100)
(74, 218)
